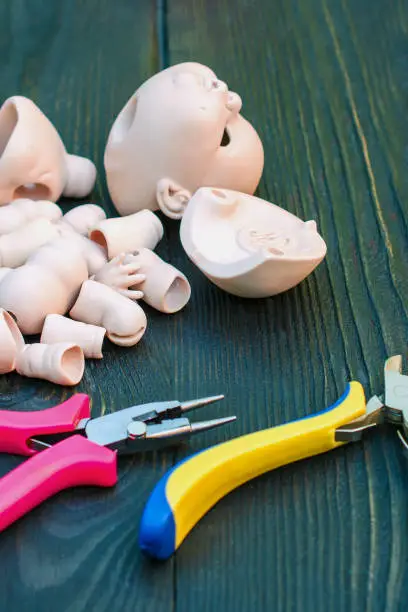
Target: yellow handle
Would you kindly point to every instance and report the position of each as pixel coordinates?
(196, 484)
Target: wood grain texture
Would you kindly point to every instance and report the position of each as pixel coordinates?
(80, 61)
(325, 84)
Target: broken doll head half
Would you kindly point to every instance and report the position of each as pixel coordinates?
(247, 246)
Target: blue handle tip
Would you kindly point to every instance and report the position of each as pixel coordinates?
(157, 535)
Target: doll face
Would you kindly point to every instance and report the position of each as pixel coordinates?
(228, 226)
(182, 124)
(247, 246)
(202, 104)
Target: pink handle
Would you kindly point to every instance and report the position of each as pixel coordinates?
(17, 427)
(73, 462)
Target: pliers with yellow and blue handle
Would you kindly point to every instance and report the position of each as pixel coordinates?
(194, 485)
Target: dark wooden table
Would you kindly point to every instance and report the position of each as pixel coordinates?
(325, 82)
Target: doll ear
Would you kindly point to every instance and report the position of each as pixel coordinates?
(172, 198)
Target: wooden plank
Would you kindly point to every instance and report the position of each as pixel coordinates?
(80, 61)
(324, 82)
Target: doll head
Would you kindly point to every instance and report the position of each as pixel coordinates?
(181, 130)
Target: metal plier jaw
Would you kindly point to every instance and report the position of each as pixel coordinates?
(392, 407)
(151, 426)
(145, 427)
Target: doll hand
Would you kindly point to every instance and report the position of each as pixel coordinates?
(121, 275)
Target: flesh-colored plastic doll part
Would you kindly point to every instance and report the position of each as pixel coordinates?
(33, 161)
(48, 283)
(61, 329)
(165, 288)
(61, 363)
(18, 246)
(83, 218)
(20, 212)
(11, 342)
(124, 320)
(143, 229)
(181, 130)
(120, 275)
(3, 272)
(95, 255)
(247, 246)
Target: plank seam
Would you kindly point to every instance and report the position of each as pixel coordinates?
(162, 33)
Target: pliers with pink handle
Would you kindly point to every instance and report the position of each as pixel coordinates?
(68, 448)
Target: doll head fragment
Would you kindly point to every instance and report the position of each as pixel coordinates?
(247, 246)
(33, 161)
